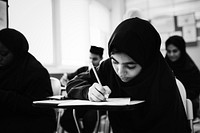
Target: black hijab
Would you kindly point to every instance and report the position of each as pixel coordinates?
(184, 68)
(18, 45)
(19, 78)
(163, 110)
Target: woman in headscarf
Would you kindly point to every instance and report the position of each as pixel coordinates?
(23, 80)
(184, 69)
(136, 69)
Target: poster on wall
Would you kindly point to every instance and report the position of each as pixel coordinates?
(189, 33)
(3, 14)
(187, 24)
(184, 20)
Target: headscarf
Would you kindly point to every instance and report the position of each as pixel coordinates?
(146, 40)
(18, 45)
(179, 42)
(14, 41)
(139, 40)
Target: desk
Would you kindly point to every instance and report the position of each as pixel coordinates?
(112, 104)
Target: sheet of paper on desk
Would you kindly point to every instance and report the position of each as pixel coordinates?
(109, 102)
(49, 102)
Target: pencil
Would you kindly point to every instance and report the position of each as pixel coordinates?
(95, 73)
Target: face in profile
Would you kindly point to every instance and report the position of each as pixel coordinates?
(5, 55)
(125, 67)
(95, 59)
(173, 52)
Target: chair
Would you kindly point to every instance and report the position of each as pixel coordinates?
(104, 126)
(56, 87)
(78, 122)
(187, 104)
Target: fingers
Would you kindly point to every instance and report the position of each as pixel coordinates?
(94, 93)
(107, 91)
(98, 93)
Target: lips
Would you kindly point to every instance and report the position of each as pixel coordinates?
(173, 59)
(124, 79)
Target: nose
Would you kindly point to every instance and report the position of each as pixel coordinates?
(170, 53)
(121, 71)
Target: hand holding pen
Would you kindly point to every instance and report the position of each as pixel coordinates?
(97, 92)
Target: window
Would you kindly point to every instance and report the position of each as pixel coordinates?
(74, 21)
(99, 26)
(34, 19)
(60, 32)
(83, 23)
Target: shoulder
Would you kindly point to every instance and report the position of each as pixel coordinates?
(35, 67)
(83, 69)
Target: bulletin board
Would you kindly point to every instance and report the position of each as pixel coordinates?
(185, 25)
(3, 14)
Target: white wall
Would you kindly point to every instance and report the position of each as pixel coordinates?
(194, 52)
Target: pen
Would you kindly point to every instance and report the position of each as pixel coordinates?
(95, 73)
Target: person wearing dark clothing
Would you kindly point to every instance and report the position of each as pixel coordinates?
(23, 80)
(184, 69)
(70, 76)
(88, 117)
(96, 56)
(135, 69)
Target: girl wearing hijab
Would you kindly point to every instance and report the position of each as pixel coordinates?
(23, 80)
(184, 69)
(136, 69)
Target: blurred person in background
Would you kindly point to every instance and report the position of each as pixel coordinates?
(184, 69)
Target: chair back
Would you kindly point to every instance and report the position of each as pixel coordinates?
(187, 104)
(182, 92)
(56, 86)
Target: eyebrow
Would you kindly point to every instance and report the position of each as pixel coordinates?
(131, 62)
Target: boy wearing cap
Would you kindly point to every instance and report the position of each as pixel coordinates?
(96, 55)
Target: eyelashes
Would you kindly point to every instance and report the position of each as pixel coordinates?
(129, 66)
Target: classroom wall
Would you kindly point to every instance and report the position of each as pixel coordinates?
(194, 52)
(150, 9)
